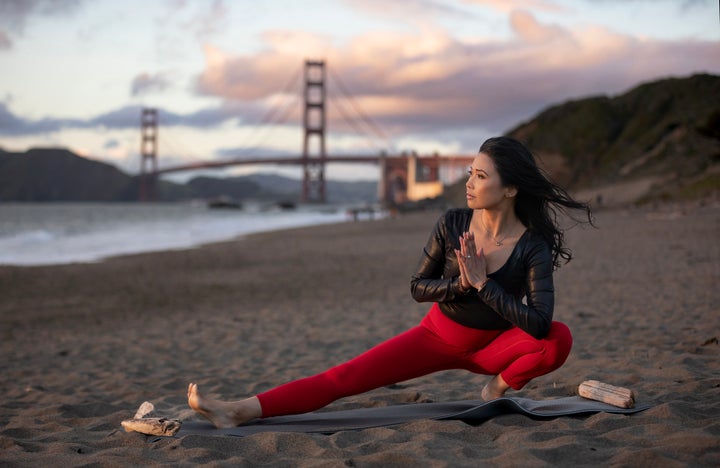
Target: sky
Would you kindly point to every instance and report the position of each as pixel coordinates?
(402, 75)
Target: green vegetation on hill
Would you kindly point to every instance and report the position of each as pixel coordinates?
(668, 129)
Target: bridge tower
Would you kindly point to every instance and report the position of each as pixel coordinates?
(314, 155)
(148, 154)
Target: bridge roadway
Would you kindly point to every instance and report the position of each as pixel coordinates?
(284, 160)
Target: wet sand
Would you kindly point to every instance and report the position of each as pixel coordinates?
(83, 345)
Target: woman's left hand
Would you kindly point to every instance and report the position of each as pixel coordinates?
(473, 266)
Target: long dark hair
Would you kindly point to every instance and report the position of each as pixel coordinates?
(538, 199)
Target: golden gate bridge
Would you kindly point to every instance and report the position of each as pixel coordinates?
(404, 177)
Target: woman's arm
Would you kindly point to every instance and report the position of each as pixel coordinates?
(428, 283)
(534, 317)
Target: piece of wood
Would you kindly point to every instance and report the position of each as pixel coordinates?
(152, 426)
(610, 394)
(144, 409)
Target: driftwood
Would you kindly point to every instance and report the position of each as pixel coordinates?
(151, 426)
(145, 408)
(610, 394)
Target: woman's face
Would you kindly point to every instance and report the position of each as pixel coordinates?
(484, 189)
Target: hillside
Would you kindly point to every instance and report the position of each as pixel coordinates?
(667, 130)
(54, 174)
(658, 141)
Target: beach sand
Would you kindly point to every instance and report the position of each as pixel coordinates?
(83, 345)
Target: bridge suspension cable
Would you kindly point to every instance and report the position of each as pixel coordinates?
(348, 120)
(275, 115)
(293, 83)
(170, 146)
(314, 124)
(377, 131)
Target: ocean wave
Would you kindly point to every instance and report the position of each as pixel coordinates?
(93, 233)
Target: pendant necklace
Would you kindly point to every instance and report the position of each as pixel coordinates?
(498, 243)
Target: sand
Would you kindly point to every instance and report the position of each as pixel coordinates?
(83, 345)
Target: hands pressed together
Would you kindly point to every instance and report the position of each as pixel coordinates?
(473, 266)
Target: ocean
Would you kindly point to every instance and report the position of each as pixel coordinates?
(34, 234)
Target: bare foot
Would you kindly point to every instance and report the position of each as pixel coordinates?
(223, 414)
(494, 389)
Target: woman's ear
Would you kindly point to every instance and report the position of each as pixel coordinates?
(511, 191)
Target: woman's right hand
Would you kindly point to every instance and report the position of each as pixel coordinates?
(471, 261)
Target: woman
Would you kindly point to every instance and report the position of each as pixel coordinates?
(477, 267)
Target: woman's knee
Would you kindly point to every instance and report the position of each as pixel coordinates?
(561, 339)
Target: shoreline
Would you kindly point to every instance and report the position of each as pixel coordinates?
(85, 344)
(164, 228)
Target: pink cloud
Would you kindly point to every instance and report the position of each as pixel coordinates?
(415, 80)
(412, 11)
(508, 6)
(529, 29)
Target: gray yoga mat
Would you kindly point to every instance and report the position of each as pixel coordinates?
(473, 412)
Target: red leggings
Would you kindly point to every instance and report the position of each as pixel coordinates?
(438, 343)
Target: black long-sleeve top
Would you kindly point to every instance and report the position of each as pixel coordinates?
(527, 274)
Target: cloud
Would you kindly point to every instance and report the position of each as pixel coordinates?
(202, 19)
(10, 124)
(508, 6)
(416, 82)
(415, 11)
(15, 14)
(127, 117)
(529, 29)
(430, 80)
(145, 83)
(5, 41)
(111, 143)
(8, 120)
(257, 76)
(683, 5)
(211, 21)
(181, 25)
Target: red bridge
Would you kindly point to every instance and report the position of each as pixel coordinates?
(404, 177)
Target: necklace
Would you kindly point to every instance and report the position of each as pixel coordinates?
(498, 243)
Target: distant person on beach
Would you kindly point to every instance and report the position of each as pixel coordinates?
(488, 272)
